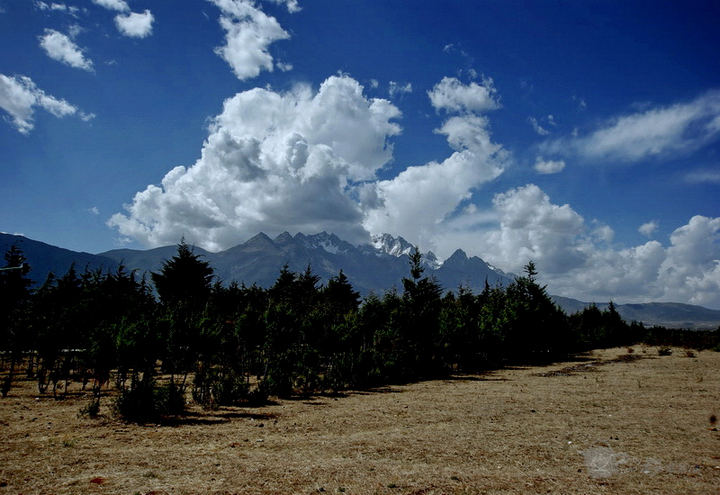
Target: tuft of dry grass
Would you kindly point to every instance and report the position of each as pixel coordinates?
(637, 424)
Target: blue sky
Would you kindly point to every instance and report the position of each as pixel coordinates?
(581, 135)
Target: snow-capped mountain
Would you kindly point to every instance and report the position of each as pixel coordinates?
(377, 267)
(397, 246)
(329, 242)
(394, 246)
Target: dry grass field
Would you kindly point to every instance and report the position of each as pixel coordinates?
(611, 425)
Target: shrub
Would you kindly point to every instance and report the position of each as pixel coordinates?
(231, 390)
(146, 403)
(137, 405)
(212, 391)
(170, 399)
(91, 410)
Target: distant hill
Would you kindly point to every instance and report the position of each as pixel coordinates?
(670, 315)
(45, 258)
(372, 267)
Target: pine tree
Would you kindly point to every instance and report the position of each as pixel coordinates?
(537, 329)
(14, 301)
(185, 280)
(421, 312)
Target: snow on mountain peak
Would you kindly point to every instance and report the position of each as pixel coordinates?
(329, 242)
(394, 246)
(397, 246)
(432, 261)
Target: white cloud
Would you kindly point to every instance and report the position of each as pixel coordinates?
(135, 25)
(74, 30)
(19, 96)
(543, 166)
(418, 201)
(420, 198)
(656, 132)
(602, 233)
(131, 24)
(119, 5)
(397, 89)
(306, 161)
(703, 177)
(649, 228)
(691, 270)
(581, 103)
(292, 5)
(537, 127)
(53, 6)
(273, 162)
(249, 33)
(60, 47)
(453, 96)
(532, 228)
(577, 261)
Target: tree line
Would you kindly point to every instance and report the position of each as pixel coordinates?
(233, 344)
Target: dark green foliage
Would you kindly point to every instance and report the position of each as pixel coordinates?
(14, 301)
(233, 345)
(535, 328)
(185, 280)
(690, 339)
(146, 402)
(593, 328)
(137, 404)
(420, 313)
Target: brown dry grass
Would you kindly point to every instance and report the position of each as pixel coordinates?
(625, 427)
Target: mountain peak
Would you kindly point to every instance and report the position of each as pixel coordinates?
(431, 260)
(259, 242)
(329, 242)
(458, 255)
(283, 238)
(394, 246)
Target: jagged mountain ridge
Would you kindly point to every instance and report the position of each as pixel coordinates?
(370, 267)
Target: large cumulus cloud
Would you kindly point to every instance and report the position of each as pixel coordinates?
(577, 258)
(273, 162)
(307, 161)
(421, 199)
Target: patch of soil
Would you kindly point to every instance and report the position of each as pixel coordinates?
(639, 426)
(592, 365)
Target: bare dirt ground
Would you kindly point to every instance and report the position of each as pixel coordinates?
(605, 426)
